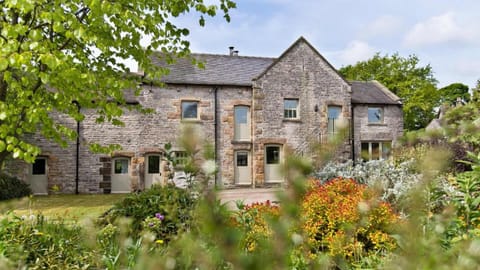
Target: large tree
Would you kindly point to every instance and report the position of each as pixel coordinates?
(56, 55)
(404, 76)
(451, 93)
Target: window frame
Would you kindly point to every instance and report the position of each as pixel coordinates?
(288, 112)
(184, 109)
(39, 167)
(383, 153)
(121, 159)
(242, 131)
(382, 111)
(150, 168)
(180, 158)
(331, 124)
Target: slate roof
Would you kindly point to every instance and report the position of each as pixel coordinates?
(219, 70)
(234, 70)
(372, 92)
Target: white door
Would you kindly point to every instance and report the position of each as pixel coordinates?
(38, 177)
(120, 175)
(273, 155)
(242, 123)
(152, 170)
(243, 171)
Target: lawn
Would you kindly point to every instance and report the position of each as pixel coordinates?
(69, 207)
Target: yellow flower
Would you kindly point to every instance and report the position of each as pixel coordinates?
(159, 241)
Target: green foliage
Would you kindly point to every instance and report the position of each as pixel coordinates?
(450, 93)
(253, 221)
(462, 124)
(38, 243)
(11, 187)
(393, 181)
(347, 220)
(175, 205)
(404, 77)
(74, 48)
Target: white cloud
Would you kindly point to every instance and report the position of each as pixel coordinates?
(386, 25)
(445, 28)
(356, 51)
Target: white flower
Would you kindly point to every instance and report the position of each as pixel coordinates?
(209, 167)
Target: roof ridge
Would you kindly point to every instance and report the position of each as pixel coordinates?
(387, 91)
(234, 56)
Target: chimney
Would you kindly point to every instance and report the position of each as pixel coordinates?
(231, 50)
(235, 53)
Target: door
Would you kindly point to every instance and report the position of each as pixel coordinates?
(120, 175)
(273, 155)
(152, 171)
(38, 177)
(243, 172)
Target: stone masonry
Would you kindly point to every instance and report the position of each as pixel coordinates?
(299, 73)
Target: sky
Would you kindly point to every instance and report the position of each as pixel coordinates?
(444, 34)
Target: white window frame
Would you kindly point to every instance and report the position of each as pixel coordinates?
(183, 109)
(380, 108)
(331, 125)
(242, 131)
(381, 150)
(291, 112)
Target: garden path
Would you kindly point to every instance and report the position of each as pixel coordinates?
(247, 195)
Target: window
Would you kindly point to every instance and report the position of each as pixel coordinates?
(376, 150)
(189, 109)
(290, 109)
(273, 154)
(242, 159)
(153, 164)
(375, 115)
(242, 123)
(181, 158)
(333, 115)
(39, 166)
(121, 166)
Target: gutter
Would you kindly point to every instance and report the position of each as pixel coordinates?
(216, 139)
(77, 153)
(352, 130)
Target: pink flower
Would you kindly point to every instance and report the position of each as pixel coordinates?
(159, 216)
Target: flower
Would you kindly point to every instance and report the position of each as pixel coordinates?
(209, 167)
(159, 241)
(150, 224)
(159, 216)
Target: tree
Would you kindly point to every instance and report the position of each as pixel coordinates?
(404, 77)
(58, 55)
(450, 93)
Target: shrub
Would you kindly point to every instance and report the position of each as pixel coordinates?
(394, 181)
(253, 221)
(346, 220)
(175, 205)
(37, 243)
(11, 187)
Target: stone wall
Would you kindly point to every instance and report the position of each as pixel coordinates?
(390, 130)
(300, 73)
(143, 134)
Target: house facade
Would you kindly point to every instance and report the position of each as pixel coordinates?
(254, 110)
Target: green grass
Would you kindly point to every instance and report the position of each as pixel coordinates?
(69, 207)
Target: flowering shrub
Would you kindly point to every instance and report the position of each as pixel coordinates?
(394, 181)
(175, 206)
(346, 220)
(37, 243)
(253, 221)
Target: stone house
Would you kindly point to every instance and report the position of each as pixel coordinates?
(254, 110)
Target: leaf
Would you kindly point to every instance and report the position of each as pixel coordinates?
(3, 64)
(2, 146)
